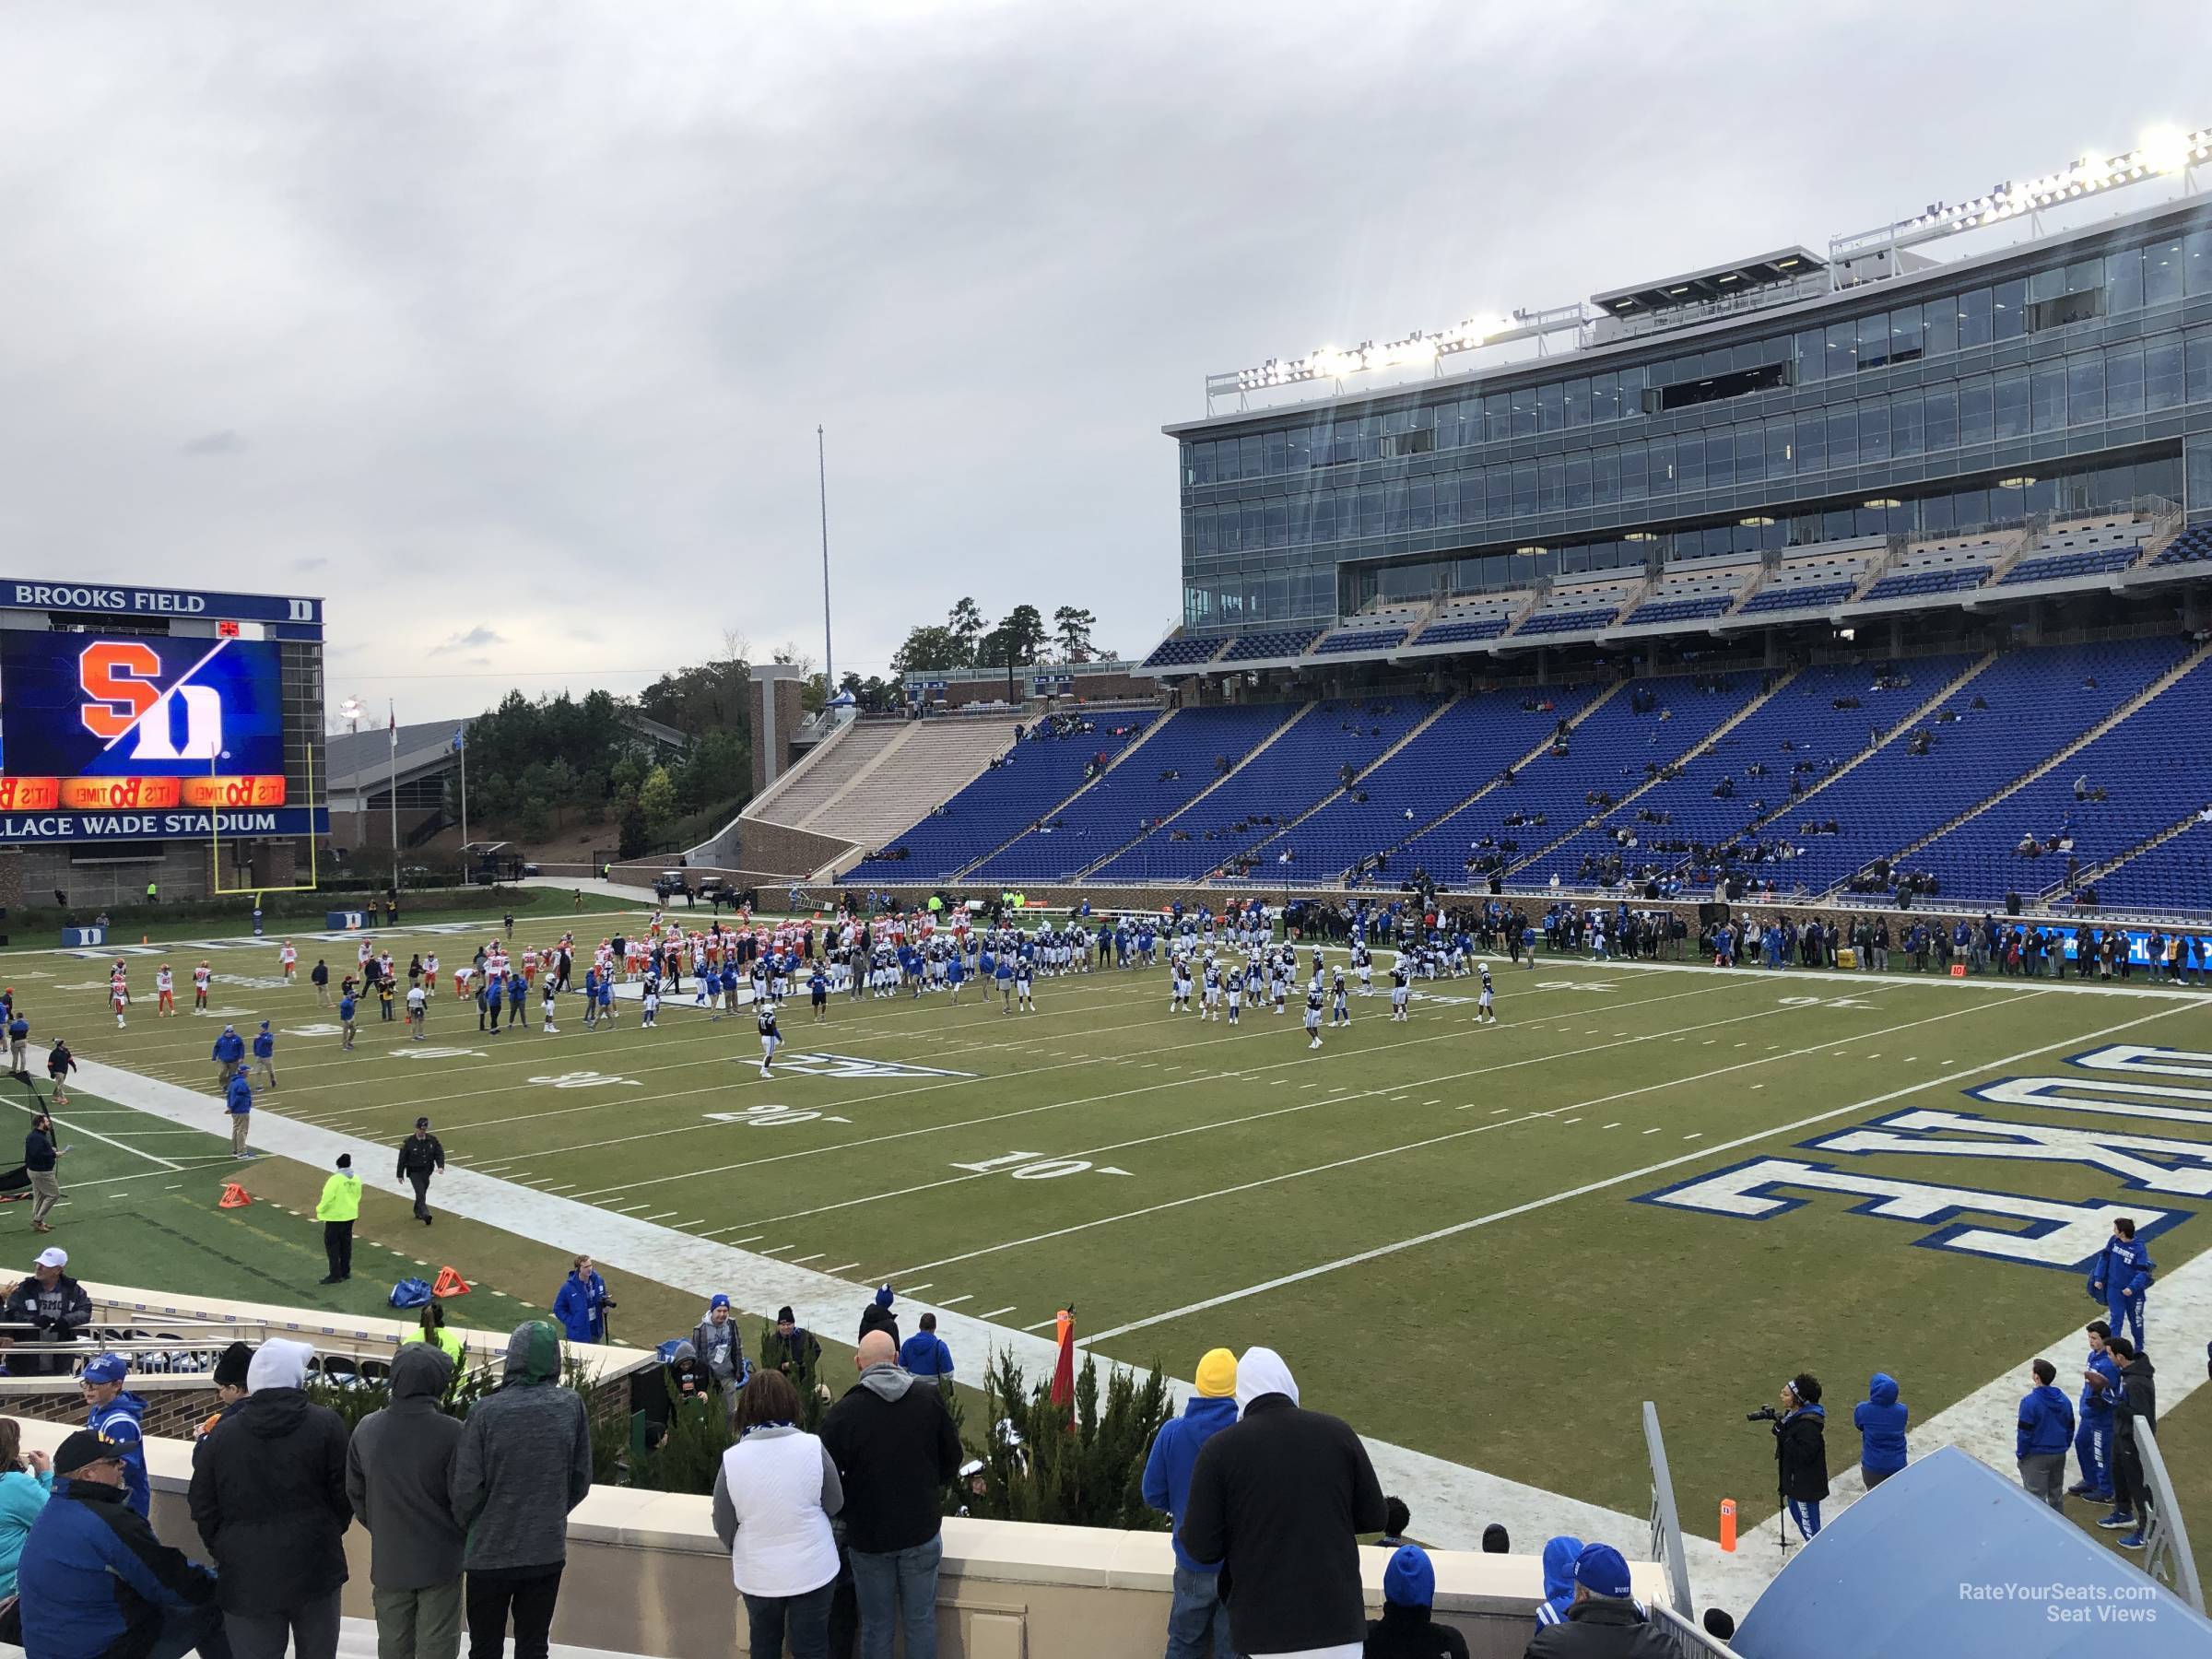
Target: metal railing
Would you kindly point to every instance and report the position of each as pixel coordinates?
(2165, 1548)
(1686, 1639)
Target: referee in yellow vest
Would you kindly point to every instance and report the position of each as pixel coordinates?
(338, 1209)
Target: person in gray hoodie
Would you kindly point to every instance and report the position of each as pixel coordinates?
(399, 1477)
(719, 1349)
(524, 1461)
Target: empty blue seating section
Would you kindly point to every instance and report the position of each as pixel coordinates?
(1362, 638)
(2192, 546)
(2155, 769)
(2036, 701)
(1587, 619)
(1607, 753)
(1797, 595)
(1950, 579)
(1680, 610)
(2057, 567)
(1457, 634)
(1273, 642)
(1034, 776)
(1808, 728)
(1178, 761)
(1279, 784)
(1189, 648)
(2173, 875)
(1455, 755)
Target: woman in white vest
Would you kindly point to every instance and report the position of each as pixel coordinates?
(773, 1498)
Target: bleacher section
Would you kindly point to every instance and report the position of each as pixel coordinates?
(1036, 775)
(2091, 548)
(1190, 745)
(1824, 714)
(2035, 702)
(1609, 753)
(1273, 643)
(2176, 875)
(2155, 768)
(808, 787)
(2192, 546)
(1465, 621)
(1183, 651)
(1939, 567)
(1687, 592)
(1583, 607)
(1254, 804)
(1360, 639)
(1813, 581)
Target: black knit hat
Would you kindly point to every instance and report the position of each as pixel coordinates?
(230, 1369)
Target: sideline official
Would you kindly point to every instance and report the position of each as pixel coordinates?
(420, 1156)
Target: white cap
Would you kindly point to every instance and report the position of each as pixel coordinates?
(53, 1255)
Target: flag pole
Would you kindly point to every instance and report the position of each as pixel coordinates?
(391, 724)
(821, 483)
(464, 741)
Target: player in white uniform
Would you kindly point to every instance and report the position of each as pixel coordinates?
(765, 1017)
(1209, 994)
(1340, 1009)
(1400, 989)
(1364, 965)
(1234, 990)
(1178, 985)
(288, 958)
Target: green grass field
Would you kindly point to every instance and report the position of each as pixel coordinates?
(1448, 1230)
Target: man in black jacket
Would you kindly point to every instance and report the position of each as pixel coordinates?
(419, 1155)
(49, 1306)
(895, 1451)
(269, 1499)
(2137, 1406)
(39, 1155)
(1279, 1499)
(1604, 1621)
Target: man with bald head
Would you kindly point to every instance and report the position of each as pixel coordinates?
(895, 1452)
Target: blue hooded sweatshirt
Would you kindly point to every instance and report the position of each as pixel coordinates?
(2046, 1422)
(1880, 1420)
(1561, 1554)
(265, 1045)
(1174, 1453)
(2097, 1403)
(228, 1048)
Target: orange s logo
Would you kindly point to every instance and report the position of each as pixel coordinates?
(112, 673)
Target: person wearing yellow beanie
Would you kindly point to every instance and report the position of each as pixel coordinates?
(1198, 1619)
(1218, 1374)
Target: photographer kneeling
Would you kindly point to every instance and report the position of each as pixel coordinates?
(1800, 1449)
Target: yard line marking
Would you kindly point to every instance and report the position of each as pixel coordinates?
(1651, 1130)
(1645, 1173)
(817, 1256)
(947, 1302)
(1698, 1135)
(1118, 1094)
(917, 1289)
(846, 1268)
(1563, 1122)
(662, 1217)
(1043, 1323)
(693, 1222)
(1611, 1126)
(996, 1312)
(109, 1140)
(749, 1238)
(558, 1189)
(775, 1249)
(1500, 1110)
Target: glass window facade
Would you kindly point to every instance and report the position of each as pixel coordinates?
(1922, 391)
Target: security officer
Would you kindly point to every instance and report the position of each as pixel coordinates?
(419, 1155)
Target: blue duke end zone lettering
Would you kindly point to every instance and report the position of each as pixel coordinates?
(1974, 1221)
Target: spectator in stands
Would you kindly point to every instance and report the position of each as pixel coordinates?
(1197, 1622)
(113, 1413)
(269, 1500)
(1404, 1630)
(792, 1350)
(399, 1480)
(896, 1450)
(1397, 1520)
(1278, 1500)
(232, 1366)
(773, 1495)
(524, 1461)
(2138, 1403)
(94, 1580)
(1880, 1419)
(1801, 1451)
(715, 1341)
(47, 1307)
(1496, 1540)
(924, 1353)
(583, 1302)
(26, 1482)
(1602, 1618)
(2045, 1430)
(1561, 1554)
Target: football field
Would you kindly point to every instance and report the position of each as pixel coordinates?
(1488, 1243)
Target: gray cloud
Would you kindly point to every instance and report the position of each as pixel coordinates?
(474, 638)
(549, 303)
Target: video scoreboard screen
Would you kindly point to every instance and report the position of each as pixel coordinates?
(106, 724)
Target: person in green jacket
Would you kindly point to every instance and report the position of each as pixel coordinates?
(433, 1330)
(338, 1209)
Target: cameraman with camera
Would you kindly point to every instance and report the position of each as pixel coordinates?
(1800, 1449)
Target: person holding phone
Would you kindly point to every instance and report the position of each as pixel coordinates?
(41, 1157)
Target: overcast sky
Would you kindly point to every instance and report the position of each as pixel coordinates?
(506, 328)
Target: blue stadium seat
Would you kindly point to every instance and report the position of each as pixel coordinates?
(1797, 595)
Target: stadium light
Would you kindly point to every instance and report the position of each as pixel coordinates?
(2162, 151)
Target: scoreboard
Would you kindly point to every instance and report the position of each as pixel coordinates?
(144, 729)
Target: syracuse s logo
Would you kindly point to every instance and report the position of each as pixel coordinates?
(119, 680)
